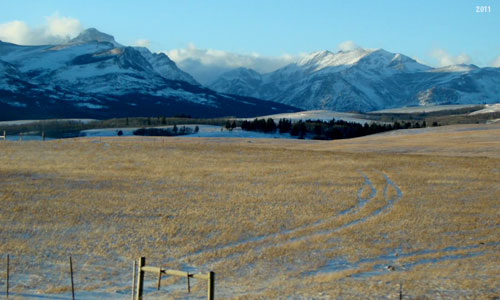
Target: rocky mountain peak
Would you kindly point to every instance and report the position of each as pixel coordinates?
(92, 34)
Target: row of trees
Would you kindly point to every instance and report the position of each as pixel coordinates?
(165, 131)
(324, 130)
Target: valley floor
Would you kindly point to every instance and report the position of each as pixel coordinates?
(273, 218)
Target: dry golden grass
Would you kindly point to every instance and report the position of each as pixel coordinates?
(265, 215)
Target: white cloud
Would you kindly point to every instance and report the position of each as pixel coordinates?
(207, 64)
(347, 46)
(142, 43)
(55, 30)
(496, 62)
(62, 27)
(14, 32)
(446, 59)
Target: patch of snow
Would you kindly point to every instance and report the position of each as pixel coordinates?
(455, 68)
(89, 105)
(205, 131)
(184, 95)
(14, 103)
(22, 122)
(422, 109)
(488, 108)
(107, 132)
(323, 115)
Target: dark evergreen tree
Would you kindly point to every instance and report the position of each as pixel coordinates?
(270, 125)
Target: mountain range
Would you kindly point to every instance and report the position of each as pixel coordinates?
(93, 76)
(364, 80)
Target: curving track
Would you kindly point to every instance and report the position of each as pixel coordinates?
(360, 214)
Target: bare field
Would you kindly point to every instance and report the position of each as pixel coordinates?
(273, 218)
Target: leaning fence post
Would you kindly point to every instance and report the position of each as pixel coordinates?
(140, 278)
(134, 272)
(211, 286)
(71, 272)
(7, 287)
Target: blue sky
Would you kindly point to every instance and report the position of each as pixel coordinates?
(436, 32)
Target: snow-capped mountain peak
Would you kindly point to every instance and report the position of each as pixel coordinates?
(386, 62)
(164, 66)
(94, 76)
(322, 59)
(92, 34)
(364, 80)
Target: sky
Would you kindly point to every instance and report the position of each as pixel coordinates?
(268, 33)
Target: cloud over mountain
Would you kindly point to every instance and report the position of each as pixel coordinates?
(207, 64)
(55, 30)
(347, 46)
(496, 62)
(446, 59)
(142, 43)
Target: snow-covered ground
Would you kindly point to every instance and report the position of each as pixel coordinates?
(25, 138)
(204, 131)
(488, 108)
(21, 122)
(324, 115)
(422, 109)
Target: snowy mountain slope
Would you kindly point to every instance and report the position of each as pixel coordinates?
(93, 76)
(364, 80)
(165, 66)
(240, 81)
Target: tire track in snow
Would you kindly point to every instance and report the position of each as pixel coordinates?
(383, 209)
(361, 202)
(417, 258)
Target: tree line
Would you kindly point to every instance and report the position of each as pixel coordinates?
(175, 131)
(325, 130)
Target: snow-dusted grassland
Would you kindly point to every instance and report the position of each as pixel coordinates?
(323, 115)
(424, 109)
(274, 218)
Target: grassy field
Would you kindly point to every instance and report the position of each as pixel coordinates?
(273, 219)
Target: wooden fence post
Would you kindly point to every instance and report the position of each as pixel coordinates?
(400, 291)
(140, 278)
(71, 272)
(134, 272)
(211, 286)
(159, 279)
(7, 287)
